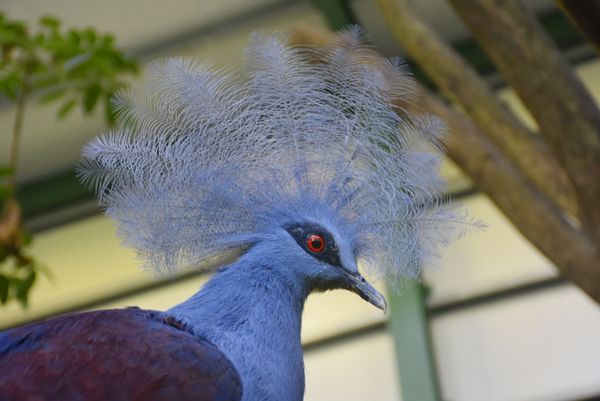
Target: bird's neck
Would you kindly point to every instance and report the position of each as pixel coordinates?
(253, 314)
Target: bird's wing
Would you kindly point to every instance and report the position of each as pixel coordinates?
(118, 355)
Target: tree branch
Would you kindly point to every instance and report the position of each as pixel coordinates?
(532, 213)
(565, 112)
(460, 83)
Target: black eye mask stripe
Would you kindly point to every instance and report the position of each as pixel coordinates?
(300, 233)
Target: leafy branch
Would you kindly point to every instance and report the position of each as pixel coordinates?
(77, 68)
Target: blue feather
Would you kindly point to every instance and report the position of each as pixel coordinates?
(206, 161)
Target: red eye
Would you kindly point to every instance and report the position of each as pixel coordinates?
(315, 242)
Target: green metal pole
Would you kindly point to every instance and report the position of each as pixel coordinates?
(409, 327)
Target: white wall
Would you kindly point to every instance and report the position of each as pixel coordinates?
(537, 346)
(361, 369)
(541, 346)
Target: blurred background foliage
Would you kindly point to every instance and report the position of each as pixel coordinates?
(76, 68)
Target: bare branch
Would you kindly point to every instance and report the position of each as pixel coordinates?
(530, 211)
(460, 83)
(564, 110)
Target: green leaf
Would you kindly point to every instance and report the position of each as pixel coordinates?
(5, 170)
(66, 108)
(4, 286)
(89, 35)
(92, 94)
(30, 279)
(9, 86)
(24, 286)
(108, 40)
(50, 22)
(53, 95)
(25, 237)
(14, 29)
(73, 39)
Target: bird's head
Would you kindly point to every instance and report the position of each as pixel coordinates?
(306, 160)
(328, 261)
(319, 257)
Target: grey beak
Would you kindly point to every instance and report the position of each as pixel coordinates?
(357, 284)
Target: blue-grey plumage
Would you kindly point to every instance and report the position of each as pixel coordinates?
(304, 169)
(252, 309)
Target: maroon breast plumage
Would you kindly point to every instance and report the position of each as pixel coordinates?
(118, 355)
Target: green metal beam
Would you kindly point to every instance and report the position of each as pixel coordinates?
(409, 327)
(53, 192)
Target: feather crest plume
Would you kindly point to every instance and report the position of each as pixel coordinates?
(205, 161)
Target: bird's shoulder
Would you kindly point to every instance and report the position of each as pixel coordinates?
(120, 354)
